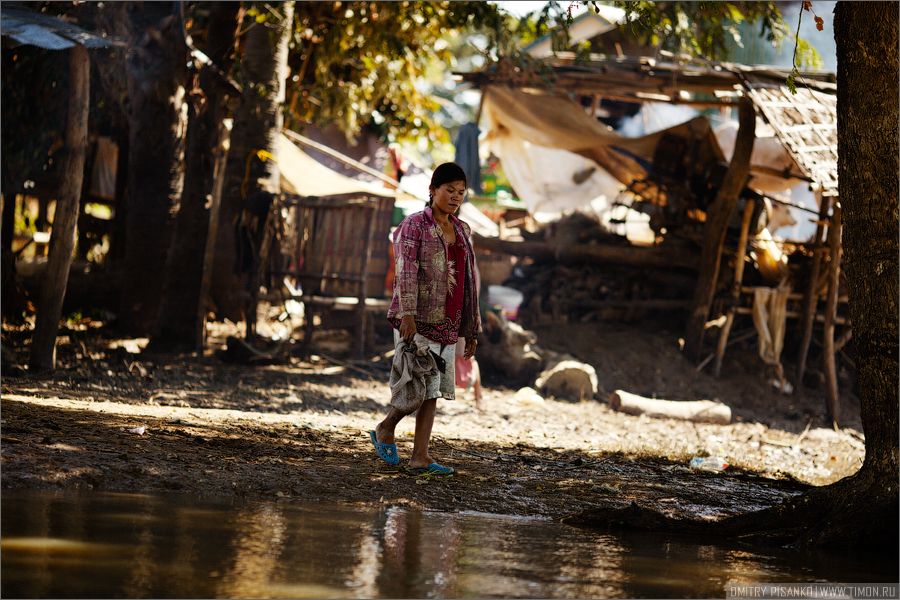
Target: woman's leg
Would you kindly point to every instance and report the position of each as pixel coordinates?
(384, 431)
(476, 386)
(424, 422)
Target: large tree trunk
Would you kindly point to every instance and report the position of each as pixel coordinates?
(156, 72)
(715, 227)
(62, 237)
(866, 37)
(250, 167)
(176, 327)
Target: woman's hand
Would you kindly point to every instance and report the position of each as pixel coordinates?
(408, 328)
(471, 344)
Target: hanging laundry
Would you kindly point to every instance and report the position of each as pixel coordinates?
(467, 154)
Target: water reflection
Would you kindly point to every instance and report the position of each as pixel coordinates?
(113, 545)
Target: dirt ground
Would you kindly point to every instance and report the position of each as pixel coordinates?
(115, 420)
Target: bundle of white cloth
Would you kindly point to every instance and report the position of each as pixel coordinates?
(412, 365)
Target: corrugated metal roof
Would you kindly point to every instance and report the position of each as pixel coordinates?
(37, 29)
(33, 34)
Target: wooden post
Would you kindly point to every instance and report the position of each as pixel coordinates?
(812, 291)
(714, 230)
(65, 220)
(736, 285)
(256, 276)
(828, 364)
(359, 347)
(309, 327)
(211, 236)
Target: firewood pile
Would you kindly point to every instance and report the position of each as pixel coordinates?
(556, 293)
(571, 282)
(573, 270)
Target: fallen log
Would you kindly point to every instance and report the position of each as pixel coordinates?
(665, 256)
(568, 379)
(704, 411)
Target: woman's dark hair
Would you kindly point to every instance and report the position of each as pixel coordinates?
(446, 173)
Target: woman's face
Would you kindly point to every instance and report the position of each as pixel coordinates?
(449, 197)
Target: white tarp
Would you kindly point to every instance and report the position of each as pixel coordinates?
(548, 146)
(303, 175)
(551, 181)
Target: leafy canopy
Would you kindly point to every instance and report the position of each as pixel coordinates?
(358, 64)
(703, 28)
(699, 28)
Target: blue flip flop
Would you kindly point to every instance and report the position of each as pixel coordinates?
(432, 469)
(388, 452)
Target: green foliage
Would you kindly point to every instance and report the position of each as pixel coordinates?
(553, 20)
(367, 64)
(804, 54)
(699, 28)
(703, 28)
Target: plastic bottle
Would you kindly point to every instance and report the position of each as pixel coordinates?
(708, 463)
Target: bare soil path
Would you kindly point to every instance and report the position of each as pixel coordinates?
(300, 431)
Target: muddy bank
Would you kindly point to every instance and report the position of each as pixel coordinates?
(300, 431)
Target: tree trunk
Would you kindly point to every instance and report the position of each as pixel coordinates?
(866, 38)
(250, 166)
(156, 73)
(176, 327)
(62, 237)
(716, 225)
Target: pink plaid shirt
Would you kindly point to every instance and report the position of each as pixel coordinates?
(421, 274)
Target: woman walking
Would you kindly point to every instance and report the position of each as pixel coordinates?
(435, 296)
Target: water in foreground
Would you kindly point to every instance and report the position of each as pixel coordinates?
(114, 545)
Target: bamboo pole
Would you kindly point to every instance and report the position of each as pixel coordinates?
(819, 318)
(714, 229)
(829, 366)
(305, 141)
(812, 293)
(736, 285)
(211, 236)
